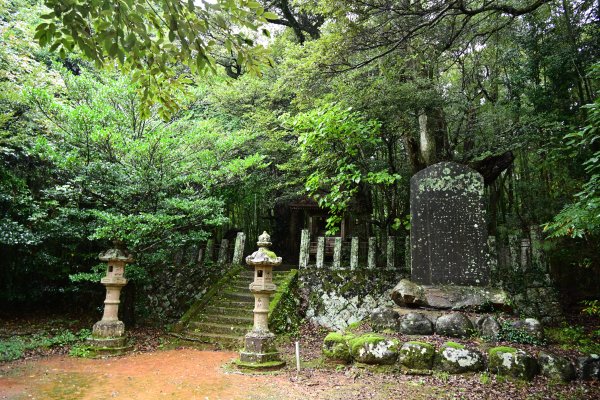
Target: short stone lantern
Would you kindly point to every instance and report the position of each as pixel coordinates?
(109, 333)
(259, 351)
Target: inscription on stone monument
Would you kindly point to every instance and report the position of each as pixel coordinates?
(448, 229)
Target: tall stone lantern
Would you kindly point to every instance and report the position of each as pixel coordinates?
(259, 351)
(108, 333)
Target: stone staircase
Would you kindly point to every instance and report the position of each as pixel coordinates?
(224, 315)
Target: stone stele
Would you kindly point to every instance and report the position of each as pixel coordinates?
(448, 229)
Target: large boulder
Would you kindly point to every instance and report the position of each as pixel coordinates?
(556, 367)
(417, 355)
(415, 324)
(488, 327)
(512, 362)
(454, 325)
(589, 367)
(531, 326)
(408, 294)
(384, 318)
(336, 347)
(374, 349)
(455, 358)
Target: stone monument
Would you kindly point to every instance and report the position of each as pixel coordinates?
(108, 334)
(450, 264)
(259, 349)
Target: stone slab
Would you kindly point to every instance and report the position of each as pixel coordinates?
(448, 228)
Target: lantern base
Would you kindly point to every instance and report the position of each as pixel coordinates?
(266, 366)
(108, 329)
(103, 347)
(260, 349)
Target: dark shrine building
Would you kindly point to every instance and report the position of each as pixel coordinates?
(304, 213)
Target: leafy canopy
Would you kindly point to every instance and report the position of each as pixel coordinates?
(156, 38)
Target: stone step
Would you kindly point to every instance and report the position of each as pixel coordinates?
(207, 327)
(228, 319)
(223, 340)
(241, 297)
(216, 310)
(229, 303)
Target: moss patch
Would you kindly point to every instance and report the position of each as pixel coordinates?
(454, 345)
(502, 349)
(417, 355)
(336, 346)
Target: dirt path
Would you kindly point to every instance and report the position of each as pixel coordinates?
(206, 375)
(173, 374)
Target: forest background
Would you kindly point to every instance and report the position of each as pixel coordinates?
(341, 101)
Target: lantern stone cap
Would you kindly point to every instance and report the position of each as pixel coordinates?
(263, 256)
(117, 253)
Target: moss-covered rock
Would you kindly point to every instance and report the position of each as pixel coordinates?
(455, 358)
(374, 349)
(336, 347)
(384, 318)
(512, 362)
(416, 355)
(415, 324)
(454, 325)
(556, 367)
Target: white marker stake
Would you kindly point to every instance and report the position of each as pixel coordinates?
(298, 356)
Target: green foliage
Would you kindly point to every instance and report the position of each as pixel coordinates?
(336, 145)
(152, 39)
(582, 216)
(509, 333)
(574, 337)
(14, 347)
(592, 307)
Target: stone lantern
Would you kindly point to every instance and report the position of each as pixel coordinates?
(108, 333)
(259, 351)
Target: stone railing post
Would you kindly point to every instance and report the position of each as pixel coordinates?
(513, 248)
(354, 253)
(390, 252)
(525, 254)
(208, 254)
(371, 253)
(304, 249)
(238, 250)
(320, 251)
(407, 259)
(493, 258)
(223, 251)
(337, 252)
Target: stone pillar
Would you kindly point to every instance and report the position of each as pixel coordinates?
(493, 259)
(108, 333)
(513, 248)
(538, 259)
(337, 252)
(320, 251)
(354, 253)
(525, 254)
(371, 253)
(390, 252)
(304, 248)
(238, 250)
(259, 349)
(407, 259)
(223, 251)
(200, 255)
(209, 251)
